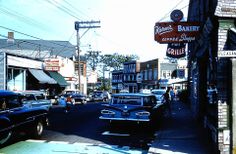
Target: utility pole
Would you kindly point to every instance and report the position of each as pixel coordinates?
(83, 25)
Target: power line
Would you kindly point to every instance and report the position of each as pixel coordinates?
(167, 14)
(21, 17)
(75, 8)
(18, 42)
(62, 8)
(32, 36)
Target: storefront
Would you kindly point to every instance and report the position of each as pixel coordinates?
(23, 73)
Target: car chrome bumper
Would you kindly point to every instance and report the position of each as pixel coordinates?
(124, 119)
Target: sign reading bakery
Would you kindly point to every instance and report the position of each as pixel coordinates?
(176, 32)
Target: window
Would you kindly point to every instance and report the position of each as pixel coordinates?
(9, 102)
(155, 74)
(150, 74)
(145, 75)
(16, 79)
(166, 74)
(131, 100)
(147, 101)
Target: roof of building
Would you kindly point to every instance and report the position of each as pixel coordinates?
(51, 47)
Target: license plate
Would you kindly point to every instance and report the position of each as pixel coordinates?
(125, 113)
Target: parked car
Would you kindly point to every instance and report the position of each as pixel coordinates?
(35, 98)
(73, 97)
(159, 94)
(14, 116)
(136, 107)
(101, 96)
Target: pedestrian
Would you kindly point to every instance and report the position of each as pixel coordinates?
(167, 99)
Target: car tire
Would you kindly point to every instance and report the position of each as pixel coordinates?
(5, 137)
(37, 129)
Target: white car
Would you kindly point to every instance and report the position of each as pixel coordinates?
(159, 94)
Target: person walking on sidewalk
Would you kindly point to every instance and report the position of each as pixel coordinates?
(167, 100)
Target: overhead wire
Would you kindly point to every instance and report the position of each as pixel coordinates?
(28, 20)
(67, 45)
(31, 36)
(167, 14)
(72, 6)
(62, 8)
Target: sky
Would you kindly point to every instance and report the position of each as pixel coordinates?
(127, 26)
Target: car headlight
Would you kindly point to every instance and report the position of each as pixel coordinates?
(143, 113)
(107, 112)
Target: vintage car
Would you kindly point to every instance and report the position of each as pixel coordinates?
(72, 97)
(35, 98)
(14, 117)
(101, 96)
(159, 94)
(137, 107)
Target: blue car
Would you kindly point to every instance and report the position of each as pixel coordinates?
(14, 116)
(133, 107)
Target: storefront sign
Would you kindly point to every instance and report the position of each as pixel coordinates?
(176, 50)
(227, 53)
(52, 65)
(176, 32)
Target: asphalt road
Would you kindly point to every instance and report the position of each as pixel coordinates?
(82, 125)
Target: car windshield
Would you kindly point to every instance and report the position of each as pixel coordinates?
(41, 96)
(158, 92)
(131, 100)
(70, 92)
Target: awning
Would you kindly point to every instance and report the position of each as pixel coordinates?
(42, 77)
(59, 78)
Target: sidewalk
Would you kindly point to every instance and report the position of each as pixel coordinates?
(180, 133)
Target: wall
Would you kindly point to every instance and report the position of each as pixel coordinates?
(2, 70)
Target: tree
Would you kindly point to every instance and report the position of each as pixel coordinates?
(93, 59)
(115, 61)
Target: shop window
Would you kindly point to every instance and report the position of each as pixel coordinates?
(15, 79)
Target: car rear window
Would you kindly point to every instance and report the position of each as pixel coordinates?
(158, 92)
(130, 100)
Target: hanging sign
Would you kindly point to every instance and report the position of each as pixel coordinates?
(176, 50)
(176, 32)
(176, 15)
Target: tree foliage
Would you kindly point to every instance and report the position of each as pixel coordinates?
(115, 61)
(93, 59)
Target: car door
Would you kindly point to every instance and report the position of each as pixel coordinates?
(14, 111)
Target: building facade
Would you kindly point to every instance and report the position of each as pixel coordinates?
(24, 61)
(149, 74)
(131, 69)
(117, 81)
(212, 67)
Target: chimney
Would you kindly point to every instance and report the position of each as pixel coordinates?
(10, 38)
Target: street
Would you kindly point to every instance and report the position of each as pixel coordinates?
(82, 125)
